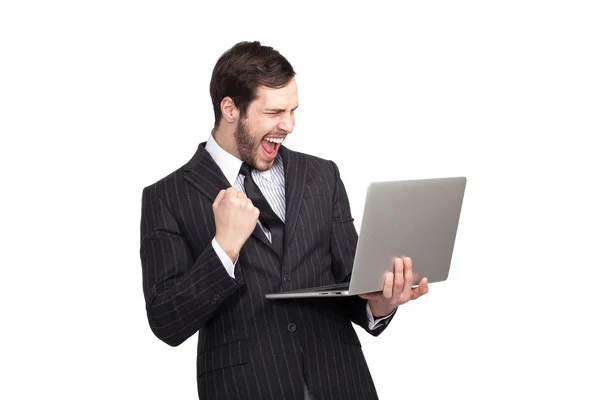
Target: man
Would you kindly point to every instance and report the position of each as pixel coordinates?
(245, 217)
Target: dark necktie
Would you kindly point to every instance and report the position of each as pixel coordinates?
(267, 216)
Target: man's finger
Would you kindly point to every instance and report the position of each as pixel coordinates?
(388, 285)
(423, 287)
(219, 198)
(420, 290)
(231, 192)
(398, 279)
(408, 278)
(370, 296)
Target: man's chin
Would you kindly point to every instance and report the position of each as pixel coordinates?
(263, 165)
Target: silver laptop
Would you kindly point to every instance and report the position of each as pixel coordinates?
(417, 218)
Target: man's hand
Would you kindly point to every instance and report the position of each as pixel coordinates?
(397, 289)
(235, 219)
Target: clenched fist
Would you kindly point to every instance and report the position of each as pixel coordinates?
(235, 219)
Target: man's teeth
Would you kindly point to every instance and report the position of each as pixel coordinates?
(275, 140)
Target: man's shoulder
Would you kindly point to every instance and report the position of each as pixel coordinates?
(169, 180)
(176, 176)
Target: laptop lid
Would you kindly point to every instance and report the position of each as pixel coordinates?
(417, 218)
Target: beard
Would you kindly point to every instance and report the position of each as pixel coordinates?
(247, 146)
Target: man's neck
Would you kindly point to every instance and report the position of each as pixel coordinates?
(225, 139)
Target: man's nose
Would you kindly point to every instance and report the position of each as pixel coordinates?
(286, 124)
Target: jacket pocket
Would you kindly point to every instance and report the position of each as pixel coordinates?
(223, 356)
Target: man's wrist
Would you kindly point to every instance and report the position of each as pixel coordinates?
(232, 255)
(381, 314)
(231, 252)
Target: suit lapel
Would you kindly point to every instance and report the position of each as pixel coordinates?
(295, 178)
(205, 175)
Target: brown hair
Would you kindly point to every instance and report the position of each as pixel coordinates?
(242, 69)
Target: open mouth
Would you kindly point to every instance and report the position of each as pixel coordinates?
(270, 146)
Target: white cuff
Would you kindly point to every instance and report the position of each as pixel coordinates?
(225, 260)
(375, 323)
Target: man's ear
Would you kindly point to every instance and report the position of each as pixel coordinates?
(229, 111)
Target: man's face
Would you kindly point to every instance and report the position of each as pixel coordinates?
(269, 119)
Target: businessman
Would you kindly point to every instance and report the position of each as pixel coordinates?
(246, 216)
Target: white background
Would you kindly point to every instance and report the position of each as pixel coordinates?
(99, 99)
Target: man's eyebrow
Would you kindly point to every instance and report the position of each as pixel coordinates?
(279, 109)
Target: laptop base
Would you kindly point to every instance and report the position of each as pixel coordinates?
(338, 290)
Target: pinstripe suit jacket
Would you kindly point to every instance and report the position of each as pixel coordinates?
(250, 347)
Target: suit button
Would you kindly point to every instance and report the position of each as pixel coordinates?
(292, 327)
(286, 279)
(215, 299)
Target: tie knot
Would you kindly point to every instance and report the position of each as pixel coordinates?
(245, 169)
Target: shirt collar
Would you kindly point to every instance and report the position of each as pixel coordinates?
(229, 164)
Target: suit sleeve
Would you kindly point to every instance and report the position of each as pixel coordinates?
(344, 239)
(181, 293)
